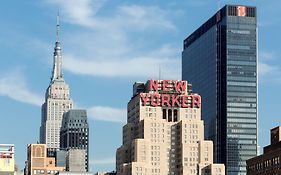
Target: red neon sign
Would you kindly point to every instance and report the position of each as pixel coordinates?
(177, 86)
(171, 95)
(167, 100)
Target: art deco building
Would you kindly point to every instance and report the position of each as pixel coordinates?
(7, 160)
(74, 136)
(39, 163)
(57, 101)
(219, 59)
(270, 162)
(164, 134)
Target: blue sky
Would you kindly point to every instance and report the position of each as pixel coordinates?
(107, 46)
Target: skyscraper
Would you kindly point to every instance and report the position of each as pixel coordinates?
(57, 101)
(220, 60)
(164, 134)
(74, 134)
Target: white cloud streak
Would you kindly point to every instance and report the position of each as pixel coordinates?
(77, 12)
(105, 113)
(84, 13)
(266, 55)
(198, 3)
(103, 161)
(13, 85)
(135, 67)
(109, 47)
(268, 70)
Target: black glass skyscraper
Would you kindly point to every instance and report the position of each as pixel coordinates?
(219, 59)
(74, 133)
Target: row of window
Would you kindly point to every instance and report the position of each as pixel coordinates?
(265, 164)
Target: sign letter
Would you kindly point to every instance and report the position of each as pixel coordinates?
(155, 101)
(196, 101)
(165, 85)
(165, 100)
(153, 85)
(241, 11)
(185, 103)
(175, 101)
(144, 99)
(180, 85)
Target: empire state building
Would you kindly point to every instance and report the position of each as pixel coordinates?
(57, 101)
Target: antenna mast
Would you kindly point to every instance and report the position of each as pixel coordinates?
(159, 71)
(219, 4)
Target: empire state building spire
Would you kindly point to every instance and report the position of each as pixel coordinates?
(57, 65)
(57, 101)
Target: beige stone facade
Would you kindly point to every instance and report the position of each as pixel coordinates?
(164, 134)
(39, 163)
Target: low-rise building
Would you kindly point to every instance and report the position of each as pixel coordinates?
(39, 163)
(269, 162)
(7, 161)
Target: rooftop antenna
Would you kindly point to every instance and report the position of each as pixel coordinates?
(159, 71)
(219, 4)
(58, 25)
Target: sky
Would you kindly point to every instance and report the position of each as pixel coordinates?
(107, 45)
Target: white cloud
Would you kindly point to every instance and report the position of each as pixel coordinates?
(13, 85)
(142, 17)
(267, 69)
(266, 55)
(269, 72)
(103, 161)
(78, 12)
(135, 67)
(85, 13)
(199, 3)
(111, 47)
(106, 113)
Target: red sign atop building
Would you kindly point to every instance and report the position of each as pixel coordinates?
(241, 11)
(168, 93)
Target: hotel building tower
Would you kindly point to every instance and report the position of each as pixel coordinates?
(164, 134)
(57, 101)
(220, 60)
